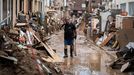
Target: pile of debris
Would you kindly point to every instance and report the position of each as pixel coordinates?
(20, 58)
(125, 55)
(119, 39)
(14, 61)
(122, 43)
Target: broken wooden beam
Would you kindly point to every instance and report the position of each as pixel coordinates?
(107, 39)
(43, 67)
(55, 56)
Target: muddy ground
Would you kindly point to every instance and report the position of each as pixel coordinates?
(90, 59)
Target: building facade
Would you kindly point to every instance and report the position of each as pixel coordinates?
(9, 9)
(127, 5)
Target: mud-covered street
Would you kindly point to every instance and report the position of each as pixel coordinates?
(90, 59)
(34, 35)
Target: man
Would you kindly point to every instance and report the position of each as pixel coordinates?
(69, 36)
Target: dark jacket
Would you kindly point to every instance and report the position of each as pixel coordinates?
(69, 31)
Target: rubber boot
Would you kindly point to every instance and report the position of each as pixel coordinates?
(71, 52)
(65, 53)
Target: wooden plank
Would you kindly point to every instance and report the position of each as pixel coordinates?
(115, 44)
(21, 24)
(82, 26)
(125, 66)
(49, 50)
(49, 59)
(107, 39)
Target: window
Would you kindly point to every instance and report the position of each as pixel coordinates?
(131, 8)
(123, 6)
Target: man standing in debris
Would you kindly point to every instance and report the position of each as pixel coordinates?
(69, 36)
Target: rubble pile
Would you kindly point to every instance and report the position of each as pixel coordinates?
(19, 59)
(14, 61)
(117, 37)
(125, 54)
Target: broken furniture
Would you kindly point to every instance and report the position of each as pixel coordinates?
(124, 22)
